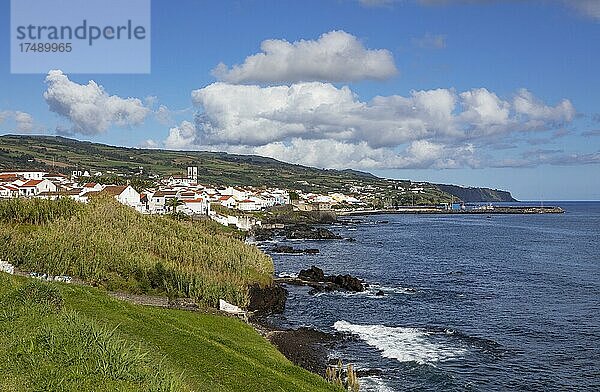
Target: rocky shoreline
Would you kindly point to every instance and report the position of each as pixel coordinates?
(305, 347)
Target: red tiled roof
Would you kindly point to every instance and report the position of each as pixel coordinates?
(192, 201)
(31, 183)
(114, 190)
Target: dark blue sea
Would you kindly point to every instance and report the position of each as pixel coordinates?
(472, 303)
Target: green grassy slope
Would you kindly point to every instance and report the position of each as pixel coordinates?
(74, 338)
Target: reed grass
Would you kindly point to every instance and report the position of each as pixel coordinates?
(36, 211)
(112, 246)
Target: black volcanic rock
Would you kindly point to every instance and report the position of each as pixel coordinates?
(321, 282)
(306, 232)
(285, 249)
(267, 300)
(313, 274)
(347, 282)
(291, 250)
(260, 234)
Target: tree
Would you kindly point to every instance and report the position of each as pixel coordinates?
(173, 204)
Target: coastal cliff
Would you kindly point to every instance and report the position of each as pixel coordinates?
(472, 194)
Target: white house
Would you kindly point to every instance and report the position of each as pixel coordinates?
(194, 206)
(228, 201)
(34, 187)
(125, 194)
(239, 194)
(75, 194)
(8, 191)
(248, 205)
(92, 187)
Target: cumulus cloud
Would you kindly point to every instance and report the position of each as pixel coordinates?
(4, 115)
(430, 41)
(329, 153)
(254, 115)
(150, 144)
(539, 114)
(182, 137)
(89, 108)
(163, 115)
(323, 125)
(23, 122)
(335, 56)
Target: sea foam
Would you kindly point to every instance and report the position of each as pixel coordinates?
(402, 343)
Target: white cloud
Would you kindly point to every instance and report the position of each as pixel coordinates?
(4, 115)
(254, 115)
(182, 137)
(24, 122)
(342, 155)
(163, 115)
(150, 144)
(335, 57)
(539, 113)
(484, 114)
(89, 108)
(323, 125)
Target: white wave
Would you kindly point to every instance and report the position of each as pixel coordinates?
(287, 275)
(374, 287)
(373, 384)
(402, 343)
(371, 292)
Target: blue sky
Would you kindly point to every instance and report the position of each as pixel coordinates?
(487, 93)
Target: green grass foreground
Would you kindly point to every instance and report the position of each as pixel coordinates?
(59, 337)
(112, 246)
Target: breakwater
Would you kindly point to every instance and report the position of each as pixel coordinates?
(486, 210)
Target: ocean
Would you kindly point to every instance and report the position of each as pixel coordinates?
(472, 302)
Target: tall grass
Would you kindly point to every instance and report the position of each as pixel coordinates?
(113, 246)
(36, 211)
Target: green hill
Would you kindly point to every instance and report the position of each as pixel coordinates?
(64, 155)
(59, 337)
